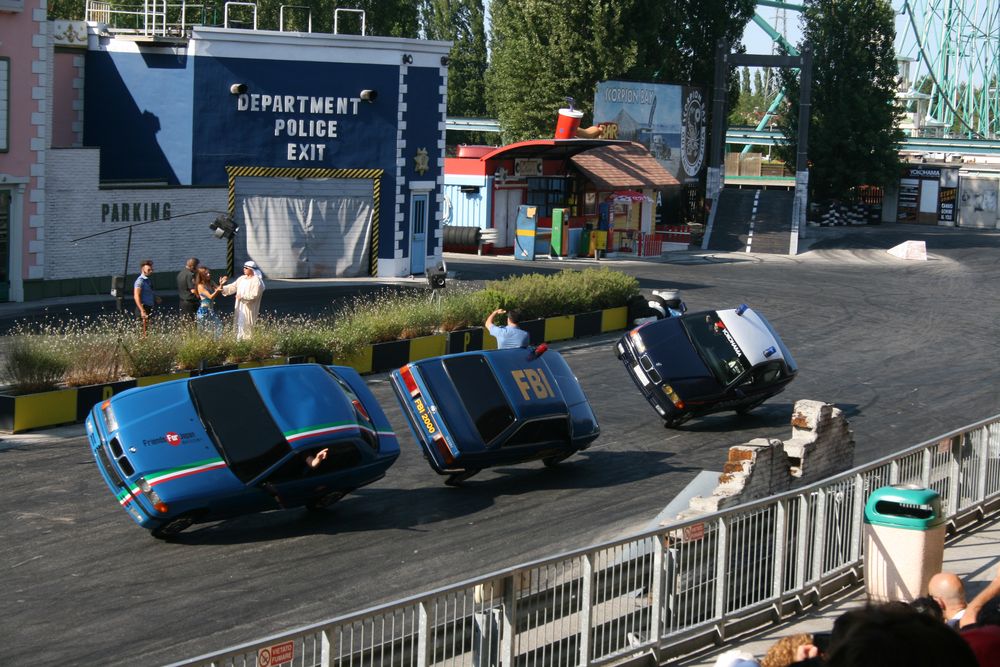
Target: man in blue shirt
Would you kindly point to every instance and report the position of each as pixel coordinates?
(142, 291)
(510, 336)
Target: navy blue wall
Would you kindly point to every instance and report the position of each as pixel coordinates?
(226, 135)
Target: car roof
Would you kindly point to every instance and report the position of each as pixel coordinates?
(254, 415)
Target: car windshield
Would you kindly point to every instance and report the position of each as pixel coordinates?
(481, 394)
(239, 423)
(715, 346)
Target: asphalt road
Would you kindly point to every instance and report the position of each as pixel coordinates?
(907, 349)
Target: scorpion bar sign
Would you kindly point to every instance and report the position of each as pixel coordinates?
(278, 654)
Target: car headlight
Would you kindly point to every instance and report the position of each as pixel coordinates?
(110, 422)
(637, 341)
(152, 496)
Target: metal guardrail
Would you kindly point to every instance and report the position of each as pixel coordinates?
(668, 591)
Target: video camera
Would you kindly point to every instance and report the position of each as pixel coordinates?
(437, 276)
(223, 227)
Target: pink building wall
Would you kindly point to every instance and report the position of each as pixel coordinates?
(24, 41)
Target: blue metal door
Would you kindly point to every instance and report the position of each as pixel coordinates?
(418, 232)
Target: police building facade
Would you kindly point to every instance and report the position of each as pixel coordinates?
(326, 151)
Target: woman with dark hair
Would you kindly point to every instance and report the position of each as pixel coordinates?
(206, 317)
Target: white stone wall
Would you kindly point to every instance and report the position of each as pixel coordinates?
(77, 207)
(822, 445)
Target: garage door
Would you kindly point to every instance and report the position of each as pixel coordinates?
(305, 228)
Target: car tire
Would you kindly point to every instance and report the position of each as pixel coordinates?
(174, 526)
(325, 501)
(553, 461)
(456, 478)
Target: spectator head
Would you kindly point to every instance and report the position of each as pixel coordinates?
(782, 652)
(513, 316)
(947, 589)
(203, 277)
(736, 658)
(192, 263)
(143, 266)
(929, 606)
(895, 635)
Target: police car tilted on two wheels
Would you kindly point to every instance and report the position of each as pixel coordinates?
(304, 435)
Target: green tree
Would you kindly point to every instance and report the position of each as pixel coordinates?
(854, 136)
(72, 10)
(461, 22)
(546, 50)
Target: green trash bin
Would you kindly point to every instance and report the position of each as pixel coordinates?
(904, 542)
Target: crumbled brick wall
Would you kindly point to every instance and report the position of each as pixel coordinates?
(822, 445)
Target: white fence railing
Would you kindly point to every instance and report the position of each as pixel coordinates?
(668, 591)
(152, 18)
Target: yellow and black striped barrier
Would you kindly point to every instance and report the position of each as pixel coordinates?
(67, 406)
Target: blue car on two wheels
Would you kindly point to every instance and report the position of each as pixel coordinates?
(476, 410)
(238, 442)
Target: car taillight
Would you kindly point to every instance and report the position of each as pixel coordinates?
(674, 398)
(110, 423)
(361, 410)
(411, 384)
(443, 448)
(152, 496)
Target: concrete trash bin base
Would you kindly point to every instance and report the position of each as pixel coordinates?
(900, 562)
(904, 542)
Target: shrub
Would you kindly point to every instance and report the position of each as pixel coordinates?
(197, 348)
(96, 350)
(305, 337)
(153, 355)
(261, 344)
(462, 309)
(33, 363)
(94, 361)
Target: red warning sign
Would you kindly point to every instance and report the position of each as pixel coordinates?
(277, 654)
(173, 439)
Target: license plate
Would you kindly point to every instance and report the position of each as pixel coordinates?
(641, 374)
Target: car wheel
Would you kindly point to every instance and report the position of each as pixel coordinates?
(456, 478)
(553, 461)
(178, 524)
(325, 500)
